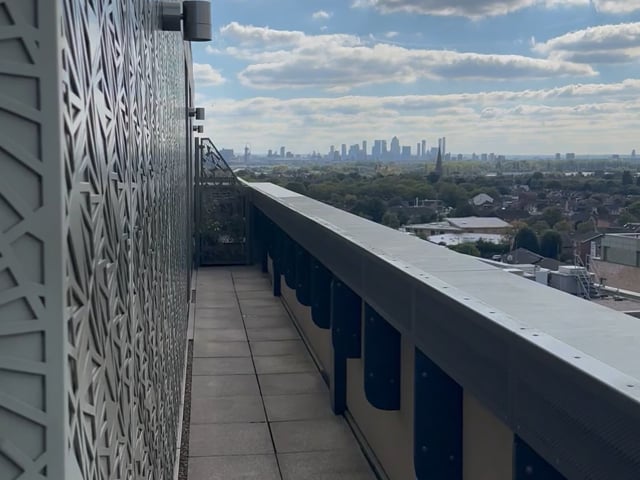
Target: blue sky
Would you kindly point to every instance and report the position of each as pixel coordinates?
(504, 76)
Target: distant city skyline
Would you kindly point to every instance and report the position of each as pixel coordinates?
(396, 149)
(515, 76)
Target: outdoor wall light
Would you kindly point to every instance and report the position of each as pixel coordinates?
(197, 112)
(198, 129)
(194, 15)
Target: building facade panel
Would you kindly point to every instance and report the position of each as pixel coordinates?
(94, 150)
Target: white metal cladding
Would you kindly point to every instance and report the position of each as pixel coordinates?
(93, 251)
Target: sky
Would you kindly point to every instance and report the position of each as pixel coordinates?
(503, 76)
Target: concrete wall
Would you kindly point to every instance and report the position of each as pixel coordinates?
(94, 140)
(487, 442)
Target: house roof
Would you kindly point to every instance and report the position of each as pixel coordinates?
(478, 222)
(481, 199)
(521, 256)
(443, 226)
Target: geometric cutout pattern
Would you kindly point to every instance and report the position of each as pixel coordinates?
(25, 316)
(106, 209)
(125, 160)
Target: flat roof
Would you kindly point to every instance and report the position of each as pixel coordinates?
(459, 238)
(478, 222)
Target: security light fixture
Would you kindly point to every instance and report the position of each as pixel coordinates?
(198, 129)
(197, 112)
(194, 15)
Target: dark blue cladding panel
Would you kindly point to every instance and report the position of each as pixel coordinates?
(303, 276)
(289, 262)
(437, 442)
(320, 295)
(382, 364)
(346, 319)
(528, 465)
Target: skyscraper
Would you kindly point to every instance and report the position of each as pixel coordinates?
(376, 151)
(424, 149)
(395, 148)
(444, 147)
(364, 149)
(343, 151)
(439, 158)
(418, 150)
(282, 152)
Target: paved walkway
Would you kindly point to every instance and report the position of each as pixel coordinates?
(259, 407)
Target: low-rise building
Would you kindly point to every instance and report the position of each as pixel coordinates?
(483, 225)
(617, 261)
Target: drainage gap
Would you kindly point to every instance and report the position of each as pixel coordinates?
(183, 471)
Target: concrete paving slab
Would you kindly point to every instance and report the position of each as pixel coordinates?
(234, 467)
(204, 348)
(312, 435)
(257, 294)
(269, 301)
(224, 300)
(262, 310)
(291, 383)
(285, 364)
(227, 410)
(249, 271)
(220, 335)
(228, 313)
(224, 386)
(328, 465)
(274, 333)
(229, 439)
(229, 436)
(220, 324)
(298, 407)
(223, 366)
(249, 285)
(278, 347)
(267, 321)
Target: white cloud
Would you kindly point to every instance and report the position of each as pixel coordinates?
(617, 6)
(321, 15)
(207, 76)
(391, 34)
(340, 62)
(601, 44)
(487, 8)
(568, 118)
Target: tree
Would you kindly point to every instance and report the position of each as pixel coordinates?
(391, 220)
(585, 227)
(527, 238)
(562, 226)
(540, 226)
(452, 195)
(551, 244)
(467, 249)
(463, 210)
(552, 215)
(627, 178)
(489, 249)
(372, 208)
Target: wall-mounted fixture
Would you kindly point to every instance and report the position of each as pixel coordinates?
(198, 129)
(194, 15)
(197, 112)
